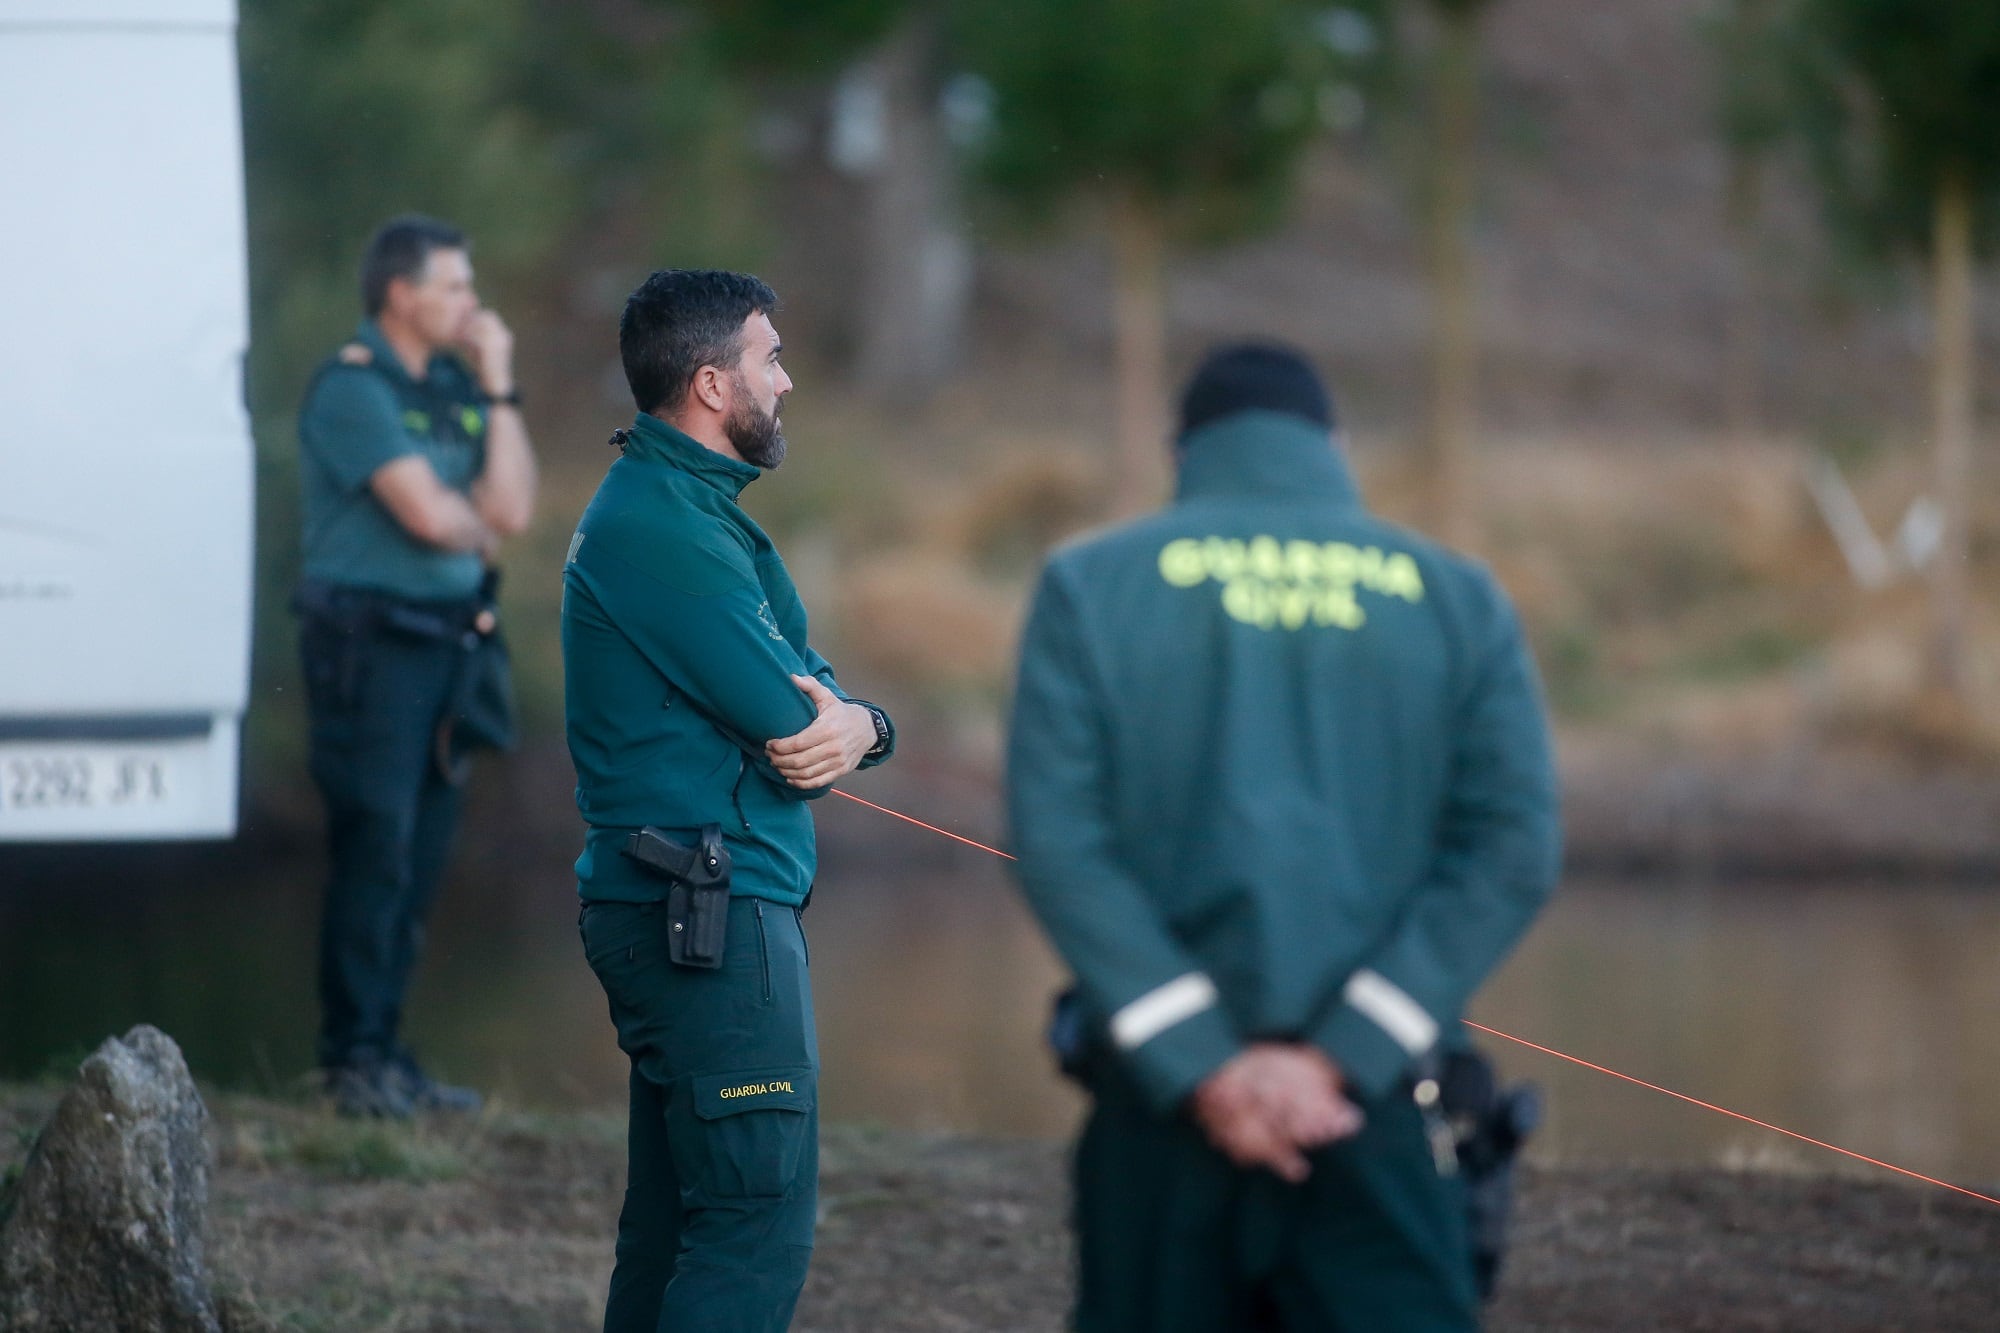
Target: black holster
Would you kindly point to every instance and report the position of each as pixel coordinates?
(1488, 1126)
(479, 706)
(1069, 1037)
(697, 891)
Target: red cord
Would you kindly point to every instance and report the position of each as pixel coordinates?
(921, 824)
(1736, 1115)
(1549, 1050)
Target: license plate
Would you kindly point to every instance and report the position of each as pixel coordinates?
(66, 790)
(105, 778)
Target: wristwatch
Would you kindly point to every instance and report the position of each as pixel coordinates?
(511, 398)
(881, 721)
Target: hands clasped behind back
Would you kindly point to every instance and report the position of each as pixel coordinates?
(831, 747)
(1273, 1103)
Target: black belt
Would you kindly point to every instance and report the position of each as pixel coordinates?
(363, 610)
(479, 706)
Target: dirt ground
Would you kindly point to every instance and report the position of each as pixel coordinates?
(505, 1224)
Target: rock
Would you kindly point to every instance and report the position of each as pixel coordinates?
(105, 1228)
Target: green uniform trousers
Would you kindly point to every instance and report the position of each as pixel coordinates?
(1173, 1238)
(375, 700)
(723, 1145)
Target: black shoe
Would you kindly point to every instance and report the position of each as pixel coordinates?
(425, 1093)
(369, 1089)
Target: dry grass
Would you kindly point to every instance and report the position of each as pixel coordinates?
(932, 1232)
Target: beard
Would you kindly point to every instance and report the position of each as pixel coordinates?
(757, 436)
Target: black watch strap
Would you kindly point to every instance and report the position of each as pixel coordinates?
(511, 398)
(881, 721)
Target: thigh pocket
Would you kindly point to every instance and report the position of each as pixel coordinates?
(753, 1127)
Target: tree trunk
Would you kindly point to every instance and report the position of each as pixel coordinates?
(1951, 416)
(916, 268)
(1742, 374)
(1454, 332)
(1139, 319)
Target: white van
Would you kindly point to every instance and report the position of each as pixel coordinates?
(125, 452)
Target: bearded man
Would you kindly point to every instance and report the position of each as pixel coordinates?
(701, 721)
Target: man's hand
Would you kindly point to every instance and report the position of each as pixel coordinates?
(1271, 1104)
(828, 750)
(504, 490)
(489, 345)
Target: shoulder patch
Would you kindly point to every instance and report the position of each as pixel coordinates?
(355, 354)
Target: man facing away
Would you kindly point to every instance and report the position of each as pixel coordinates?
(1280, 784)
(416, 464)
(701, 721)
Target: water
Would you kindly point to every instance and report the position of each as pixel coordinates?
(1861, 1014)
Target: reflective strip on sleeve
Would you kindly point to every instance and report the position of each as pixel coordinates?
(1159, 1009)
(1391, 1009)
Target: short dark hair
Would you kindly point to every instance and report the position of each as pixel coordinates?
(1240, 377)
(400, 248)
(682, 319)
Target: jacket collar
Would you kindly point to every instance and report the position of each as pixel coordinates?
(653, 440)
(369, 335)
(1268, 454)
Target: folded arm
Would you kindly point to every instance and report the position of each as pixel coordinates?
(718, 646)
(430, 511)
(353, 428)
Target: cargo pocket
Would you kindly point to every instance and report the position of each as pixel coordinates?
(754, 1127)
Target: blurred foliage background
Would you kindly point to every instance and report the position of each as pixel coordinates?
(1677, 313)
(1599, 288)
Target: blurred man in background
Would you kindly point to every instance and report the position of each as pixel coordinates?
(1281, 788)
(701, 721)
(416, 465)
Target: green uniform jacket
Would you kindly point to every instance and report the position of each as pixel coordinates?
(1277, 769)
(681, 631)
